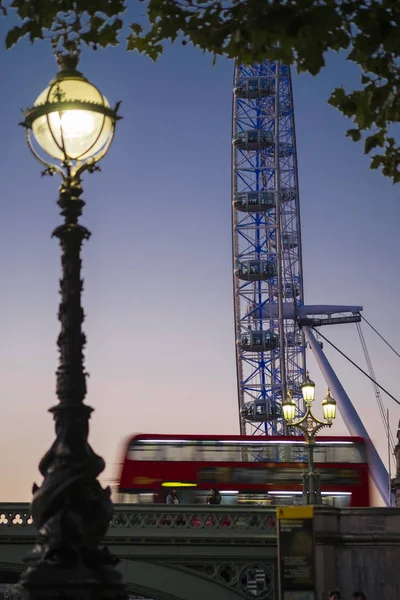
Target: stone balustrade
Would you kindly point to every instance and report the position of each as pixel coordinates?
(159, 520)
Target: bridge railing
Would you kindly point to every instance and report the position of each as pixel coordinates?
(158, 520)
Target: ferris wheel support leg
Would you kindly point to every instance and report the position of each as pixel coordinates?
(350, 416)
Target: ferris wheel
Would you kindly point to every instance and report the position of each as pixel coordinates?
(267, 260)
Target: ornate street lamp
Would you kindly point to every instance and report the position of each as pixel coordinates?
(73, 124)
(309, 425)
(308, 390)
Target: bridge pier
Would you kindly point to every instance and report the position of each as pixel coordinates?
(162, 583)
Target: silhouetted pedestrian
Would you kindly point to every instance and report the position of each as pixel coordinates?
(172, 498)
(215, 497)
(334, 595)
(358, 596)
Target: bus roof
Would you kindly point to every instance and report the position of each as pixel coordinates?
(164, 438)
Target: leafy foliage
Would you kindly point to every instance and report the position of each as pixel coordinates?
(297, 32)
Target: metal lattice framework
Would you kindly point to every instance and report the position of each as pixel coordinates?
(266, 246)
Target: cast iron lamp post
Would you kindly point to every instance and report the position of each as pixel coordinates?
(309, 425)
(72, 122)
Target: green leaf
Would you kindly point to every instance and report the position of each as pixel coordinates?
(136, 28)
(15, 34)
(375, 162)
(373, 141)
(354, 134)
(337, 97)
(97, 22)
(108, 36)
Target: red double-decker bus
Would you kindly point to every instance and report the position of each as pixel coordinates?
(264, 470)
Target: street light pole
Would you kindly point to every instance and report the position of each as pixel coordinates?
(309, 425)
(74, 124)
(310, 449)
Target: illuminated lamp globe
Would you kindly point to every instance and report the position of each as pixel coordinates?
(289, 408)
(71, 120)
(308, 390)
(329, 407)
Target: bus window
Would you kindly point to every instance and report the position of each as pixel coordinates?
(229, 453)
(188, 452)
(336, 453)
(206, 451)
(172, 452)
(221, 452)
(144, 451)
(135, 452)
(267, 453)
(179, 452)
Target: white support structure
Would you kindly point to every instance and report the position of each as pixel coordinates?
(350, 416)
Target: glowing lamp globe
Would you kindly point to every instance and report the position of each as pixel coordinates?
(329, 406)
(71, 120)
(308, 390)
(289, 408)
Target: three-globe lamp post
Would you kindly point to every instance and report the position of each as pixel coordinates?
(309, 425)
(69, 129)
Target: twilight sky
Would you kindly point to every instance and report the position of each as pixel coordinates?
(158, 283)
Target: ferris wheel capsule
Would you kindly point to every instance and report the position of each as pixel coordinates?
(254, 87)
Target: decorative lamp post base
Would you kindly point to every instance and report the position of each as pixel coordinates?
(50, 582)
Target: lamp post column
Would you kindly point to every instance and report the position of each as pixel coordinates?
(310, 452)
(71, 376)
(318, 495)
(304, 495)
(311, 474)
(70, 509)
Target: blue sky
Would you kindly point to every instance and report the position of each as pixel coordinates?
(158, 283)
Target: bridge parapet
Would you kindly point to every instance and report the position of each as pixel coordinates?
(158, 521)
